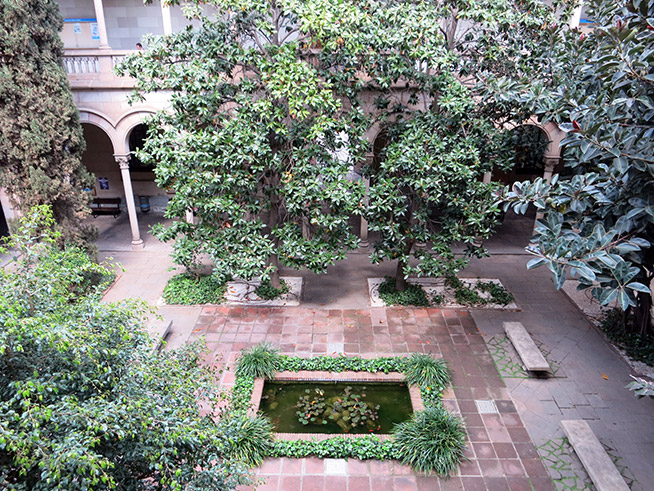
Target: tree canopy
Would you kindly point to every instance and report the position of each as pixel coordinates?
(84, 401)
(599, 219)
(41, 140)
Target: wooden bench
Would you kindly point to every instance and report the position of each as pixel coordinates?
(531, 356)
(596, 461)
(105, 206)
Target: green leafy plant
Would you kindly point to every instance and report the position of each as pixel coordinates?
(310, 407)
(497, 293)
(338, 447)
(268, 292)
(412, 295)
(343, 363)
(438, 299)
(641, 387)
(431, 441)
(637, 347)
(425, 371)
(350, 412)
(190, 289)
(465, 294)
(252, 440)
(261, 360)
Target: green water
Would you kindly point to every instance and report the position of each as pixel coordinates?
(280, 399)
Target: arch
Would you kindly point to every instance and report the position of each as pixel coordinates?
(102, 121)
(553, 132)
(127, 122)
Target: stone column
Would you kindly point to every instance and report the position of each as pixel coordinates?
(363, 232)
(123, 162)
(102, 25)
(189, 216)
(487, 177)
(573, 23)
(167, 19)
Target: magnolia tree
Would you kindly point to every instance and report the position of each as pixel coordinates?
(266, 124)
(446, 129)
(84, 401)
(599, 222)
(41, 140)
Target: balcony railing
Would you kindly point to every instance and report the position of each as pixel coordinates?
(94, 68)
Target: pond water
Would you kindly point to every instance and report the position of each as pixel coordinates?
(335, 407)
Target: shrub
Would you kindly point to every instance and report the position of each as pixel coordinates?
(189, 289)
(426, 371)
(261, 360)
(268, 292)
(412, 295)
(639, 348)
(251, 439)
(431, 441)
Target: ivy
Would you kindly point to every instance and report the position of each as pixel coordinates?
(190, 289)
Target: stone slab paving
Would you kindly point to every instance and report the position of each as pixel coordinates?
(500, 452)
(589, 384)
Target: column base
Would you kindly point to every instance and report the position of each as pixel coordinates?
(363, 244)
(138, 245)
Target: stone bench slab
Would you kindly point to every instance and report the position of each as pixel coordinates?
(596, 461)
(526, 348)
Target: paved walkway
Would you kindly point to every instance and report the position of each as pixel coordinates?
(589, 382)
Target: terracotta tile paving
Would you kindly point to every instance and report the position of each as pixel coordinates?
(501, 455)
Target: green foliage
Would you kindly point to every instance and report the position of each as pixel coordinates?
(637, 347)
(412, 295)
(433, 430)
(190, 289)
(339, 447)
(41, 140)
(425, 371)
(599, 225)
(261, 360)
(641, 387)
(342, 363)
(252, 439)
(465, 294)
(431, 441)
(268, 292)
(85, 403)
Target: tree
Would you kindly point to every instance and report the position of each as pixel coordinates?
(84, 401)
(41, 140)
(448, 131)
(599, 221)
(266, 122)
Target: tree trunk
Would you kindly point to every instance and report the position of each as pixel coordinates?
(400, 282)
(273, 259)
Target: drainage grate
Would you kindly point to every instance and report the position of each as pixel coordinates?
(486, 407)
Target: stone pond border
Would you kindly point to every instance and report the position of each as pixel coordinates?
(325, 376)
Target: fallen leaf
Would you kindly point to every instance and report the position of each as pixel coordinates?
(605, 376)
(197, 330)
(483, 333)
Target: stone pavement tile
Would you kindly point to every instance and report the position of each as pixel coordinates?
(484, 450)
(270, 483)
(473, 484)
(428, 483)
(404, 483)
(271, 466)
(534, 468)
(496, 484)
(505, 450)
(336, 483)
(519, 483)
(380, 481)
(313, 483)
(526, 450)
(490, 467)
(451, 484)
(356, 483)
(541, 484)
(290, 483)
(469, 468)
(512, 467)
(292, 466)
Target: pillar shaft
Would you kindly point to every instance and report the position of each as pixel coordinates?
(575, 18)
(167, 18)
(363, 232)
(102, 25)
(123, 162)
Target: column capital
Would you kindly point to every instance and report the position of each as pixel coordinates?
(122, 159)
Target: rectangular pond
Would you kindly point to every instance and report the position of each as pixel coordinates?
(335, 407)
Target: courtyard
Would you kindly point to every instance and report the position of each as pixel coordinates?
(518, 444)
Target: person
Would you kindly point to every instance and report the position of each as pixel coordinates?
(139, 46)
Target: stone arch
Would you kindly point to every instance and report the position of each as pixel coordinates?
(127, 123)
(553, 132)
(102, 121)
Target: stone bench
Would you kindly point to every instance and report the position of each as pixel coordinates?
(159, 329)
(596, 461)
(531, 356)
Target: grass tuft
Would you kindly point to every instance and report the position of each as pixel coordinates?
(431, 441)
(261, 360)
(425, 371)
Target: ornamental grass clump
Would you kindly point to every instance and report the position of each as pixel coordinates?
(431, 441)
(261, 360)
(424, 371)
(250, 438)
